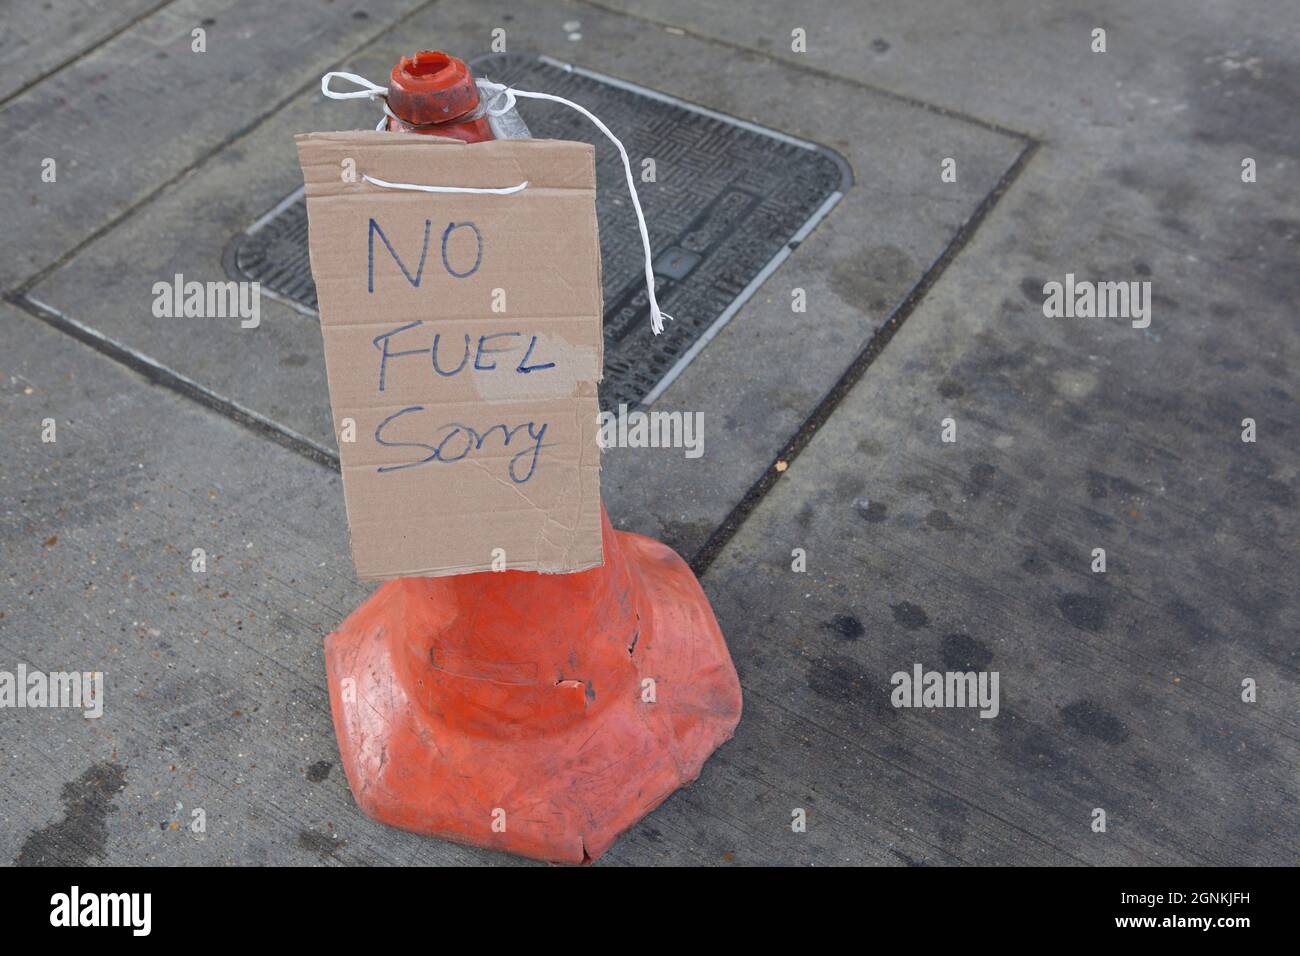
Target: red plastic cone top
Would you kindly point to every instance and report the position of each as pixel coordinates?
(541, 714)
(434, 93)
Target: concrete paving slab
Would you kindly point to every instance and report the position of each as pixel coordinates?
(1120, 690)
(207, 674)
(1197, 68)
(147, 95)
(49, 36)
(876, 245)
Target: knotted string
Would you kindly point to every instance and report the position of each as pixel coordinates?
(496, 92)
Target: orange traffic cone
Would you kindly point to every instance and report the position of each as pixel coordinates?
(533, 713)
(541, 714)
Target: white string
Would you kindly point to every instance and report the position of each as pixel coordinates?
(371, 91)
(497, 91)
(501, 191)
(368, 91)
(656, 317)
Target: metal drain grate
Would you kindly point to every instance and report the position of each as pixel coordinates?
(730, 201)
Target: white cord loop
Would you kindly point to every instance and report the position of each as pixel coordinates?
(368, 90)
(502, 191)
(499, 92)
(656, 317)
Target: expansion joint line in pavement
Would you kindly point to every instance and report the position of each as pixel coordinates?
(929, 107)
(81, 54)
(857, 368)
(159, 374)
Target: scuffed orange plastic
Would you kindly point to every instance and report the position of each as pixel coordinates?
(536, 714)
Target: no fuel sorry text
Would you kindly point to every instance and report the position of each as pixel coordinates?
(450, 358)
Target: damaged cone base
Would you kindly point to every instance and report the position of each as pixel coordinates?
(537, 714)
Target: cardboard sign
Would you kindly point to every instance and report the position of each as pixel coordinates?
(463, 338)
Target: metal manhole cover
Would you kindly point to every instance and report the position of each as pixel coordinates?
(729, 202)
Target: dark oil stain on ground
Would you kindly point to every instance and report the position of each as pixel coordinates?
(1035, 563)
(319, 771)
(846, 626)
(909, 615)
(82, 834)
(321, 844)
(871, 511)
(963, 653)
(1191, 622)
(846, 683)
(980, 477)
(1084, 612)
(1026, 744)
(1092, 719)
(940, 520)
(873, 279)
(1244, 95)
(1031, 287)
